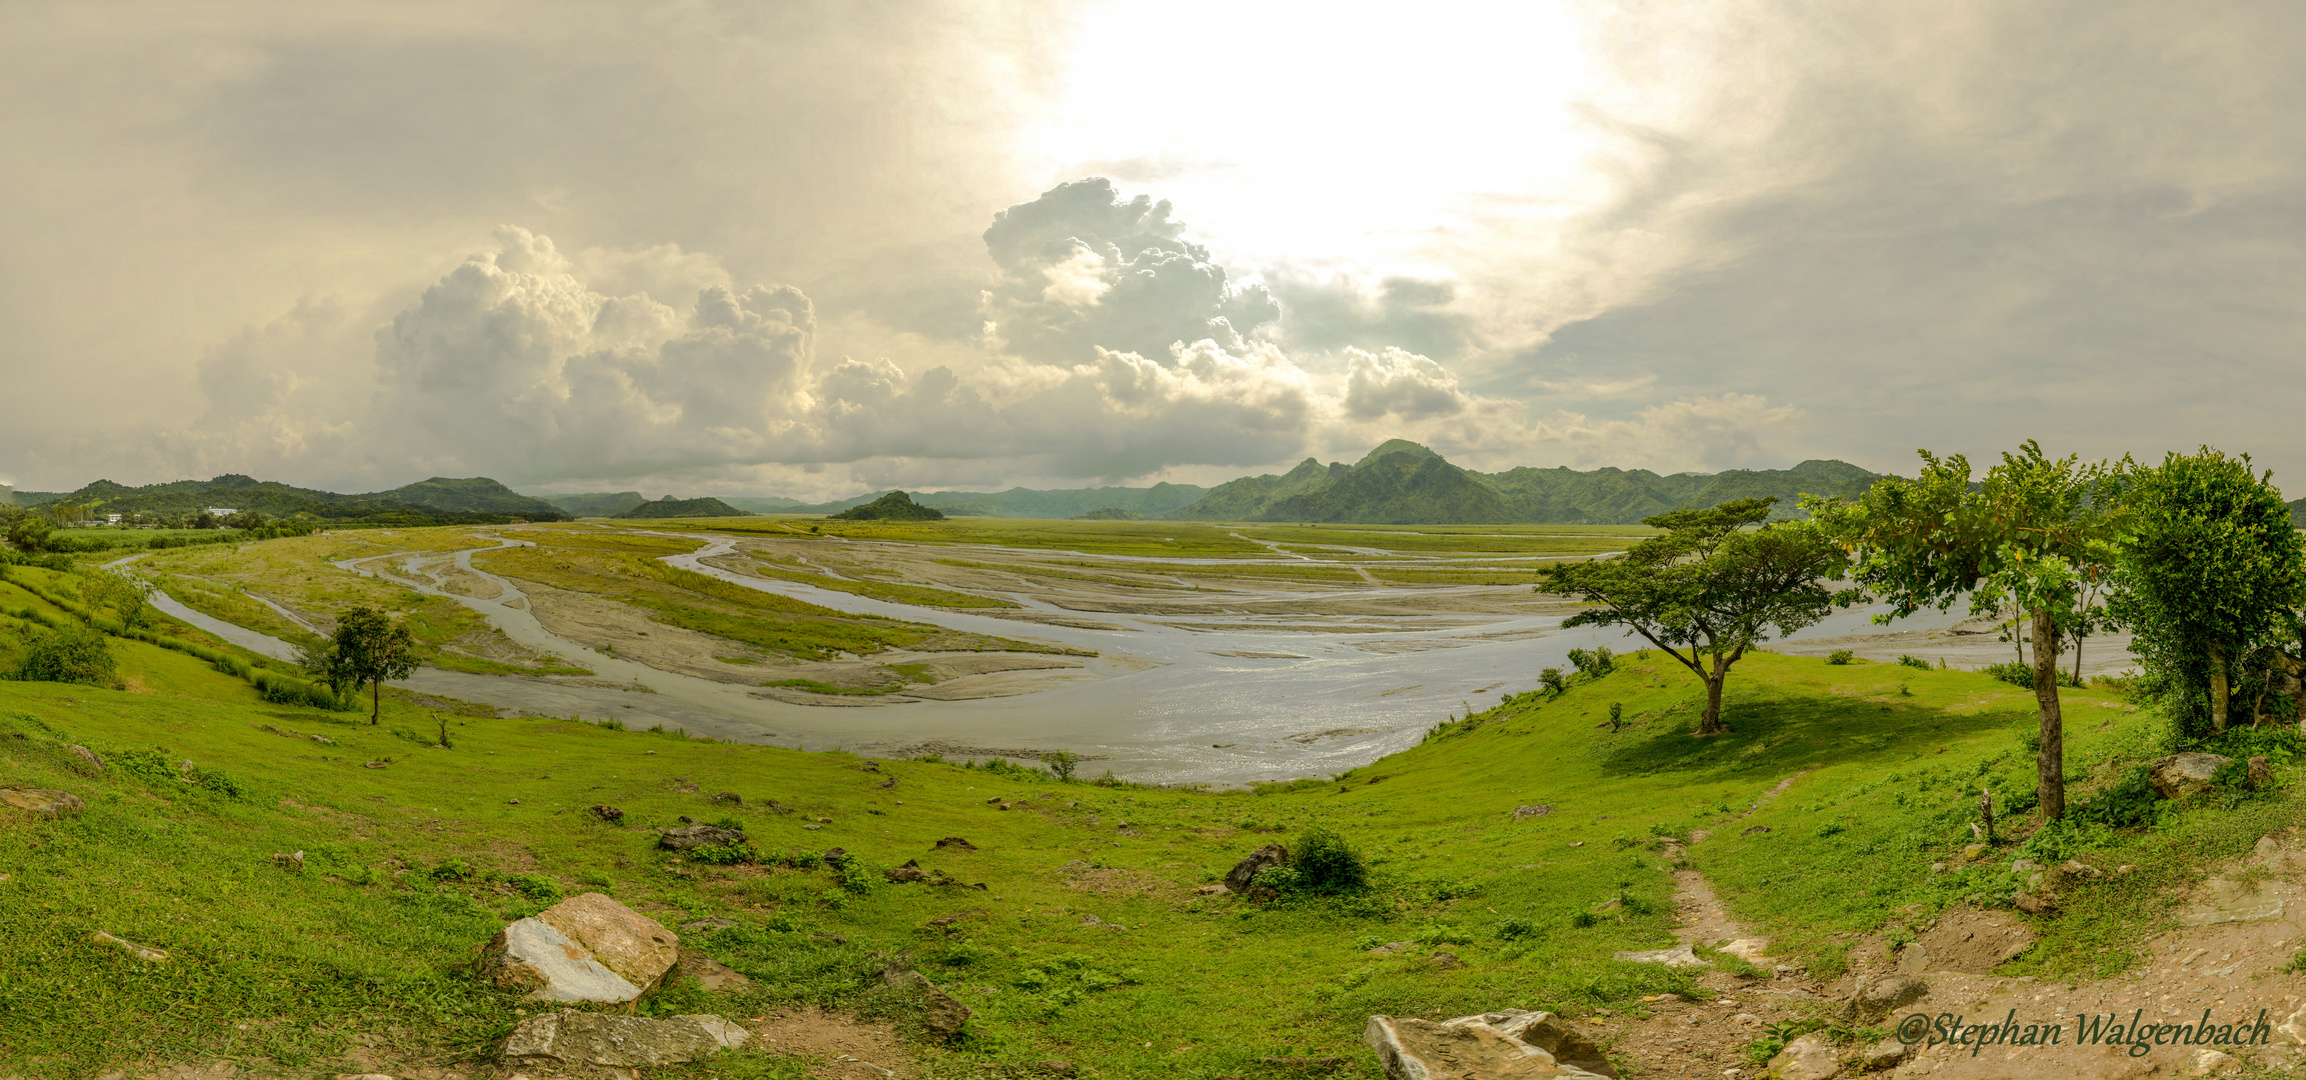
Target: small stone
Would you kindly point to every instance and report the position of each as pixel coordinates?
(941, 1015)
(709, 973)
(1937, 868)
(906, 874)
(2208, 1063)
(1886, 1054)
(86, 756)
(1524, 813)
(1682, 955)
(291, 861)
(956, 842)
(514, 802)
(2032, 904)
(1810, 1057)
(42, 802)
(1973, 852)
(1445, 961)
(1887, 993)
(1243, 872)
(1214, 888)
(1756, 830)
(372, 765)
(729, 797)
(1747, 1018)
(607, 813)
(1058, 1067)
(689, 837)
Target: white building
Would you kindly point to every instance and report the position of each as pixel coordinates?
(220, 511)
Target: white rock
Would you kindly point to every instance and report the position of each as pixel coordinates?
(1468, 1046)
(531, 953)
(580, 1038)
(1810, 1057)
(2208, 1063)
(1679, 956)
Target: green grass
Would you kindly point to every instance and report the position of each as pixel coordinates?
(1156, 538)
(413, 864)
(881, 590)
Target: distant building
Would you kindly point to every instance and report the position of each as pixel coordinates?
(220, 511)
(112, 519)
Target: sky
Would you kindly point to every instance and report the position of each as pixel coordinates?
(816, 249)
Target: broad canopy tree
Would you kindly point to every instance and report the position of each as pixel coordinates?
(1708, 590)
(367, 647)
(2036, 533)
(2210, 576)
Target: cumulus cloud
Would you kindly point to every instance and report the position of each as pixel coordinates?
(1081, 269)
(1398, 383)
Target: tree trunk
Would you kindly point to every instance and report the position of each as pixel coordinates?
(2077, 660)
(1711, 724)
(2050, 763)
(376, 703)
(2218, 690)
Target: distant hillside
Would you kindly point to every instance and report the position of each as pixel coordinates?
(894, 506)
(1154, 501)
(669, 507)
(2297, 511)
(595, 504)
(1401, 482)
(476, 495)
(1110, 513)
(277, 500)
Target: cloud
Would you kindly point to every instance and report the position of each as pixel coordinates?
(1398, 383)
(1081, 270)
(1334, 311)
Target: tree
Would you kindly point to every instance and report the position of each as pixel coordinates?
(1708, 590)
(125, 595)
(368, 647)
(2210, 575)
(73, 654)
(2036, 534)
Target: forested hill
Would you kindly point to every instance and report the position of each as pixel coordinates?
(1402, 482)
(1152, 502)
(439, 500)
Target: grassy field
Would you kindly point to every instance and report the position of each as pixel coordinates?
(411, 864)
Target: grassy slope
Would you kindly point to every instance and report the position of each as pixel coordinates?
(371, 939)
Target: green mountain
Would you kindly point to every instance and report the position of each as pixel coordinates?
(669, 507)
(894, 506)
(1110, 513)
(595, 504)
(770, 505)
(277, 500)
(475, 495)
(1402, 483)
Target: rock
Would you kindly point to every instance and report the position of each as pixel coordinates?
(1092, 920)
(42, 802)
(710, 973)
(2032, 904)
(1886, 1054)
(1445, 961)
(2023, 866)
(1214, 888)
(1973, 853)
(607, 813)
(707, 925)
(2208, 1063)
(2079, 869)
(291, 861)
(2293, 1027)
(1550, 1033)
(86, 756)
(1756, 830)
(956, 842)
(1679, 956)
(2233, 902)
(146, 953)
(1913, 959)
(941, 1015)
(1467, 1047)
(1058, 1067)
(1937, 868)
(1238, 878)
(1751, 950)
(942, 921)
(579, 1038)
(585, 948)
(1524, 813)
(834, 856)
(1880, 996)
(2261, 773)
(697, 836)
(730, 797)
(2180, 775)
(910, 872)
(1810, 1057)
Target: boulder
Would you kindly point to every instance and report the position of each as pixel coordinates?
(909, 872)
(1552, 1034)
(688, 837)
(941, 1016)
(1875, 999)
(42, 802)
(585, 948)
(1524, 813)
(1810, 1057)
(2180, 775)
(580, 1038)
(1466, 1048)
(1238, 878)
(1681, 955)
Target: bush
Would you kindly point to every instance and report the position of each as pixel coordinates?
(536, 887)
(1061, 764)
(72, 654)
(1327, 864)
(1593, 663)
(1552, 681)
(1840, 656)
(1513, 929)
(1916, 662)
(729, 854)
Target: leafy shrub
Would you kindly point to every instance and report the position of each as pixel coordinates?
(1327, 864)
(1061, 764)
(1840, 656)
(537, 887)
(451, 869)
(1278, 878)
(1593, 663)
(729, 854)
(71, 654)
(1913, 662)
(1583, 919)
(1552, 681)
(1513, 929)
(2128, 803)
(1438, 934)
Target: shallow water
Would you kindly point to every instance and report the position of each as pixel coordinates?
(1188, 715)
